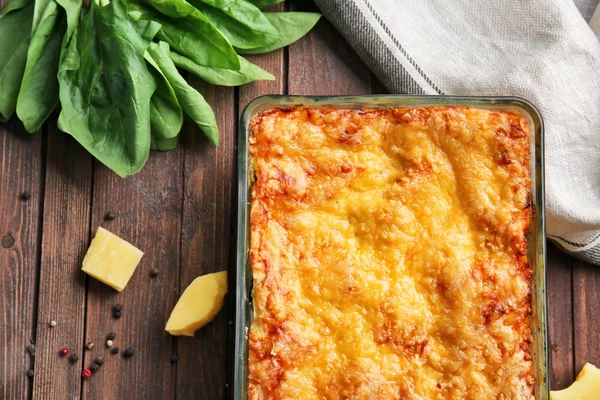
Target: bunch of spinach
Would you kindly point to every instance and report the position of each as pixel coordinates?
(113, 69)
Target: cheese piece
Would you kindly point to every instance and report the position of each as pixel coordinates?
(111, 259)
(585, 387)
(198, 304)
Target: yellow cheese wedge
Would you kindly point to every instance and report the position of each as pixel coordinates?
(111, 259)
(198, 304)
(585, 387)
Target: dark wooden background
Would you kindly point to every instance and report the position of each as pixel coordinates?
(180, 211)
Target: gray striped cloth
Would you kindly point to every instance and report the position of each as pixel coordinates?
(542, 50)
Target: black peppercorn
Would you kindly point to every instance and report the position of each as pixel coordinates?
(117, 314)
(111, 336)
(73, 358)
(174, 358)
(154, 272)
(128, 352)
(115, 350)
(26, 195)
(95, 367)
(118, 307)
(109, 216)
(99, 361)
(30, 373)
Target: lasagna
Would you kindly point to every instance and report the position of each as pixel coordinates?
(389, 255)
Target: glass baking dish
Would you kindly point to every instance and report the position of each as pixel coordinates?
(536, 234)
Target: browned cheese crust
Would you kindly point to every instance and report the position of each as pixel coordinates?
(388, 254)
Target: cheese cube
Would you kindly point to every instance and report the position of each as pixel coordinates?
(198, 305)
(585, 387)
(111, 259)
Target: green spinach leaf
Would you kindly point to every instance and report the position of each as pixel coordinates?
(164, 144)
(38, 95)
(265, 3)
(166, 116)
(188, 31)
(53, 24)
(239, 21)
(105, 86)
(291, 27)
(225, 77)
(191, 101)
(15, 29)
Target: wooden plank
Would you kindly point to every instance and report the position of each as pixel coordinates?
(323, 63)
(560, 317)
(21, 194)
(207, 244)
(61, 295)
(147, 211)
(377, 87)
(586, 307)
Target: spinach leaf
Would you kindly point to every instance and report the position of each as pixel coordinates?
(105, 86)
(291, 27)
(53, 25)
(38, 95)
(164, 144)
(239, 21)
(73, 11)
(191, 101)
(225, 77)
(166, 116)
(188, 31)
(264, 3)
(15, 28)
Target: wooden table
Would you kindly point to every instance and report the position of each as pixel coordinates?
(180, 210)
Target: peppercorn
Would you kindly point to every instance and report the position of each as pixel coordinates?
(109, 216)
(94, 367)
(89, 345)
(31, 350)
(64, 352)
(29, 373)
(26, 195)
(115, 350)
(109, 343)
(174, 358)
(117, 314)
(118, 307)
(86, 373)
(52, 324)
(99, 361)
(111, 336)
(128, 352)
(154, 272)
(73, 358)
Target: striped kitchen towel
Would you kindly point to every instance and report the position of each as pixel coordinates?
(542, 50)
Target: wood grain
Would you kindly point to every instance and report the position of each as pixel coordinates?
(586, 307)
(206, 244)
(21, 171)
(62, 289)
(147, 207)
(560, 317)
(323, 63)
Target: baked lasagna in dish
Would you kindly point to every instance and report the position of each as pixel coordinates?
(389, 255)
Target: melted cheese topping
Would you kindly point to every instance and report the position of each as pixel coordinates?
(389, 256)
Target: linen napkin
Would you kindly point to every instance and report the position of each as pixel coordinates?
(541, 50)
